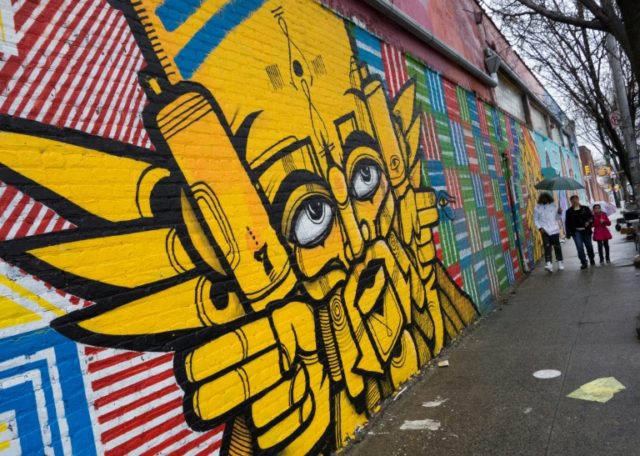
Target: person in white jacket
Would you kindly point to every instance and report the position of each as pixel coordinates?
(545, 219)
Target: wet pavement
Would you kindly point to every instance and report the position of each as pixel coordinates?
(487, 402)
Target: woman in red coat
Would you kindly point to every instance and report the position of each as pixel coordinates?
(601, 233)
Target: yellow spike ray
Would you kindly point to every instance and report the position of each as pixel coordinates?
(184, 306)
(403, 106)
(13, 314)
(413, 140)
(125, 260)
(114, 188)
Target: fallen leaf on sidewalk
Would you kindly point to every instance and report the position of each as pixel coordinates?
(419, 425)
(598, 390)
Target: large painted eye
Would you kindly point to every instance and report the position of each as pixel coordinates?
(312, 221)
(365, 179)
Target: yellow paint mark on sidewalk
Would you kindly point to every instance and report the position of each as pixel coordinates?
(598, 390)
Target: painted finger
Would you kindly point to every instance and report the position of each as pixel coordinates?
(229, 350)
(287, 426)
(281, 399)
(221, 395)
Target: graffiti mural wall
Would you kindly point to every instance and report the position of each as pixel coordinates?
(235, 227)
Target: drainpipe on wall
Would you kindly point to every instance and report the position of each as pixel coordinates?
(402, 19)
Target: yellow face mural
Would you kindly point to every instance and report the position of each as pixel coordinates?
(281, 244)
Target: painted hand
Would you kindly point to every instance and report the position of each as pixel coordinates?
(270, 368)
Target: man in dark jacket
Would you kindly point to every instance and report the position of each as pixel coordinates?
(579, 224)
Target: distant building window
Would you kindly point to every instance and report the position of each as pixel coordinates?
(555, 134)
(537, 121)
(510, 98)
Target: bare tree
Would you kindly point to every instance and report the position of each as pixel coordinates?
(571, 59)
(621, 18)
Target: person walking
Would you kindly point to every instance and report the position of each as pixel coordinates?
(579, 224)
(601, 233)
(545, 218)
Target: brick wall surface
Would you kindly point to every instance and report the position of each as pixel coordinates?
(235, 227)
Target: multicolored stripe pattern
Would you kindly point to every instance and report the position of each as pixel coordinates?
(474, 153)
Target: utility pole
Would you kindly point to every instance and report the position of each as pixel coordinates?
(628, 130)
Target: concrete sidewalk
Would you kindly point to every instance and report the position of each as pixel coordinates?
(581, 323)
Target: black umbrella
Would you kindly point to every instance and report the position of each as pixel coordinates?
(559, 183)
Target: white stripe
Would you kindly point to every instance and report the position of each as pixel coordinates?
(107, 353)
(54, 382)
(67, 224)
(37, 287)
(125, 437)
(35, 378)
(124, 365)
(113, 90)
(89, 112)
(51, 223)
(178, 445)
(130, 85)
(391, 64)
(134, 396)
(118, 98)
(25, 27)
(20, 220)
(206, 443)
(140, 411)
(133, 379)
(133, 121)
(38, 219)
(66, 51)
(77, 54)
(118, 32)
(396, 70)
(148, 444)
(80, 75)
(4, 217)
(377, 71)
(369, 49)
(35, 52)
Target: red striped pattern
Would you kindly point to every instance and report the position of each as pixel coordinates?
(395, 68)
(22, 216)
(453, 187)
(429, 138)
(456, 274)
(502, 228)
(451, 100)
(76, 67)
(482, 115)
(137, 405)
(488, 194)
(436, 240)
(497, 159)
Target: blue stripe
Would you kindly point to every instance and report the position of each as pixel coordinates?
(212, 33)
(174, 13)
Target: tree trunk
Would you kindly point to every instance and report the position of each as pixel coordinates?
(630, 11)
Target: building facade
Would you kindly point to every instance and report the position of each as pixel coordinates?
(595, 191)
(235, 227)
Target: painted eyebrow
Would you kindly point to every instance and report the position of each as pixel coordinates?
(357, 139)
(293, 181)
(288, 149)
